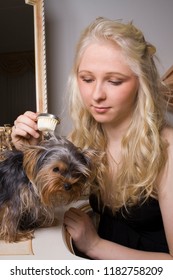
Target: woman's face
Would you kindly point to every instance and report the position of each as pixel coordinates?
(107, 85)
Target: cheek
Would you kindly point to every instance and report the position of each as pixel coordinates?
(127, 98)
(85, 97)
(128, 94)
(84, 92)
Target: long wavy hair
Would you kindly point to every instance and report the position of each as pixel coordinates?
(143, 149)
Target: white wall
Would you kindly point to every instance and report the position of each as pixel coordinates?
(66, 18)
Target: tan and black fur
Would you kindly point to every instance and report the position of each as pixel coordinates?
(33, 182)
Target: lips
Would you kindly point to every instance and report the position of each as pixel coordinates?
(100, 109)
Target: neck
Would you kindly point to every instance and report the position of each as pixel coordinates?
(115, 132)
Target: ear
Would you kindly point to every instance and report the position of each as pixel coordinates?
(93, 159)
(31, 155)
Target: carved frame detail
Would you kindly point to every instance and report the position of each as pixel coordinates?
(168, 81)
(40, 54)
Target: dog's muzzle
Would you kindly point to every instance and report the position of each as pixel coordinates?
(67, 186)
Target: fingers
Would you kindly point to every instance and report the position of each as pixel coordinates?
(75, 221)
(72, 216)
(80, 227)
(26, 125)
(25, 130)
(71, 219)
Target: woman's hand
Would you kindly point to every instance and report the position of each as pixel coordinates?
(82, 230)
(25, 131)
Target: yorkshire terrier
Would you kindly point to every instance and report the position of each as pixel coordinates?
(36, 180)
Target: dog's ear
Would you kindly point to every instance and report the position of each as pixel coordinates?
(30, 157)
(92, 158)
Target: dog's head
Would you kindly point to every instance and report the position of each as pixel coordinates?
(59, 171)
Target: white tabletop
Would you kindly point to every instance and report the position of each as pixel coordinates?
(49, 243)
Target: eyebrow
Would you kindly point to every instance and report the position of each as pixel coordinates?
(107, 73)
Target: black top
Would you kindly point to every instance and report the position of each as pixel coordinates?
(140, 228)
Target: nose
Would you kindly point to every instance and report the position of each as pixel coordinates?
(98, 93)
(67, 186)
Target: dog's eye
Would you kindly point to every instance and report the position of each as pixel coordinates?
(56, 169)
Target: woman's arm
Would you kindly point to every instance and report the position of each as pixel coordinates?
(86, 239)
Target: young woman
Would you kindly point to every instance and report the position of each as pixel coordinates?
(118, 108)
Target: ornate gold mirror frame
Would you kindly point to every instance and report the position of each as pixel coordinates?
(40, 54)
(168, 80)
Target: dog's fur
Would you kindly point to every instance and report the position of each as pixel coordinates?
(33, 182)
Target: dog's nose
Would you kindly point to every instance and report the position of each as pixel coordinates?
(67, 186)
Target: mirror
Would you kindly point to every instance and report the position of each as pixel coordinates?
(22, 59)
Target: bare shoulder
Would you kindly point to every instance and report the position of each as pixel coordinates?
(167, 134)
(165, 190)
(165, 177)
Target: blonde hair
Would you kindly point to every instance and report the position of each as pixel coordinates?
(143, 149)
